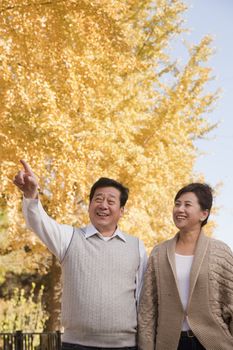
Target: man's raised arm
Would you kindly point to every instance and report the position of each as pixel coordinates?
(54, 235)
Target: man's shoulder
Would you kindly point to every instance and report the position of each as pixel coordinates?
(79, 230)
(78, 233)
(129, 237)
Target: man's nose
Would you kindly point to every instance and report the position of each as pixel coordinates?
(104, 204)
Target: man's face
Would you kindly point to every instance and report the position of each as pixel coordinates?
(105, 210)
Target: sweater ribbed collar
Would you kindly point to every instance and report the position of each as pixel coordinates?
(90, 231)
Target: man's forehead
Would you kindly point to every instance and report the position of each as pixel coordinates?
(109, 191)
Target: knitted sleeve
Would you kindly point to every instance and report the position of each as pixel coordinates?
(228, 290)
(147, 317)
(221, 284)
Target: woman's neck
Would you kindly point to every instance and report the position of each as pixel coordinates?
(186, 242)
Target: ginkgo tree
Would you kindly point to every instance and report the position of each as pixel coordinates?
(89, 89)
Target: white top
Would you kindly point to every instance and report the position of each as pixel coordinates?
(183, 269)
(57, 237)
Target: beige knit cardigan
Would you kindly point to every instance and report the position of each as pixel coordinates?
(210, 305)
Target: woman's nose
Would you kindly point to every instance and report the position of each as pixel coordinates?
(180, 208)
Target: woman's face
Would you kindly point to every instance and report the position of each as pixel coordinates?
(187, 213)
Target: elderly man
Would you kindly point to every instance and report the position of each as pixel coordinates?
(102, 267)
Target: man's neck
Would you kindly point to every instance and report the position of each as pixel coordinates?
(106, 232)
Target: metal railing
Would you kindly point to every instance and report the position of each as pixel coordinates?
(30, 341)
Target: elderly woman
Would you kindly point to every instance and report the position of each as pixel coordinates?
(187, 297)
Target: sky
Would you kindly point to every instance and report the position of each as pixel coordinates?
(215, 162)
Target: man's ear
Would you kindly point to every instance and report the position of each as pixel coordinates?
(122, 210)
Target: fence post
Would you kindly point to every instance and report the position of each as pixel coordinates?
(18, 340)
(58, 340)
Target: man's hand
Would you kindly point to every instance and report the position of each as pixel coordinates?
(26, 181)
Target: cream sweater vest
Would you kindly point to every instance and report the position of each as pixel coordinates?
(98, 301)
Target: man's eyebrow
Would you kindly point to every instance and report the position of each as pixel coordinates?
(102, 194)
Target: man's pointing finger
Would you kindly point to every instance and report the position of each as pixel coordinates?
(26, 166)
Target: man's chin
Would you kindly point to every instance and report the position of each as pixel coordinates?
(101, 223)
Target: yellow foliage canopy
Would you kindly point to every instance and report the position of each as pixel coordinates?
(83, 95)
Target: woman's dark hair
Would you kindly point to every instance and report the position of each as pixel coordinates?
(203, 193)
(106, 182)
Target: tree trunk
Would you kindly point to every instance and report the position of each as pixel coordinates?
(52, 296)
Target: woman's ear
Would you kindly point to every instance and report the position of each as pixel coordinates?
(205, 214)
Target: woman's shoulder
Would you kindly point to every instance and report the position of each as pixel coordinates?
(217, 244)
(220, 256)
(160, 246)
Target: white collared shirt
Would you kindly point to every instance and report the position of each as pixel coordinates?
(57, 237)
